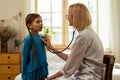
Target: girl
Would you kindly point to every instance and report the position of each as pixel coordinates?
(34, 62)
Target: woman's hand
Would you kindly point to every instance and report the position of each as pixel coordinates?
(50, 78)
(56, 75)
(47, 41)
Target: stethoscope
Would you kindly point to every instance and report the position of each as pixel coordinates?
(65, 47)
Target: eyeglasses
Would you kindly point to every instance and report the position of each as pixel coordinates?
(68, 15)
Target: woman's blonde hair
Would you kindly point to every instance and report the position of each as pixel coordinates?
(81, 16)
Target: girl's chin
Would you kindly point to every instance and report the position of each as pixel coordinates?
(40, 30)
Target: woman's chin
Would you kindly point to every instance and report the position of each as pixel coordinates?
(70, 24)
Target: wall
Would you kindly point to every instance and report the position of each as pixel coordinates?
(109, 26)
(11, 13)
(115, 28)
(9, 8)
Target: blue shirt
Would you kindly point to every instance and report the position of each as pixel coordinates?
(29, 63)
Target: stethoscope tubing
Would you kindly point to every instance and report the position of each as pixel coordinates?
(65, 47)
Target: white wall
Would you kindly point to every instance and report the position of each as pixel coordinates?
(109, 25)
(9, 8)
(115, 28)
(9, 11)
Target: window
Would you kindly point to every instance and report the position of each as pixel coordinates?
(91, 5)
(53, 15)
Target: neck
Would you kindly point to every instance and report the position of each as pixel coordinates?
(33, 32)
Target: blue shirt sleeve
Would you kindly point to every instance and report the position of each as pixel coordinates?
(26, 48)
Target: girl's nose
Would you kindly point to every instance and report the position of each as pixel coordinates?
(41, 23)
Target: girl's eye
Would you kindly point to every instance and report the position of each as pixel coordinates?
(39, 21)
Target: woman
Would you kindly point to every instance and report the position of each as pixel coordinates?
(86, 59)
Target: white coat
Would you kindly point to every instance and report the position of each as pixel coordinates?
(86, 59)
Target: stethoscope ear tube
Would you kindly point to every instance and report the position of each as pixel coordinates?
(65, 47)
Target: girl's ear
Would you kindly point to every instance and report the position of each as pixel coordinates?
(29, 26)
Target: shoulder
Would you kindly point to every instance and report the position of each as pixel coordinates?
(27, 38)
(27, 42)
(87, 33)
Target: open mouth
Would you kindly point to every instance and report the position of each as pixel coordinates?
(40, 27)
